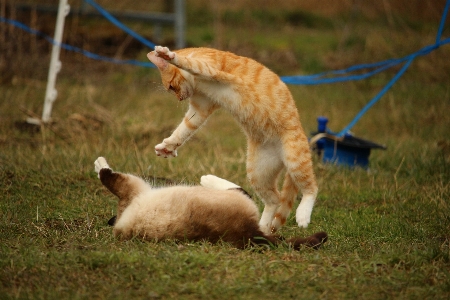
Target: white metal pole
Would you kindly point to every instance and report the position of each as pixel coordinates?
(55, 63)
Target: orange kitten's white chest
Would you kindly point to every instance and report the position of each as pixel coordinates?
(223, 94)
(248, 113)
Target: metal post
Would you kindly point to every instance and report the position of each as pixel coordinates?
(55, 63)
(180, 23)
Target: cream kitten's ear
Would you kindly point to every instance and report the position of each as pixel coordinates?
(161, 63)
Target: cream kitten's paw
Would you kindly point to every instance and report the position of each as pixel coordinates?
(164, 52)
(100, 163)
(165, 150)
(217, 183)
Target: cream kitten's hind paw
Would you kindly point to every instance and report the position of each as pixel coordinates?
(164, 52)
(217, 183)
(100, 163)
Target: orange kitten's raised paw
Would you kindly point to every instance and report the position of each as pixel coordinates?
(164, 52)
(165, 150)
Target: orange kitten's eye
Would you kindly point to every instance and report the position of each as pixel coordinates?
(171, 88)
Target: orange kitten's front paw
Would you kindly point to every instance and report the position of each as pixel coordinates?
(164, 52)
(165, 150)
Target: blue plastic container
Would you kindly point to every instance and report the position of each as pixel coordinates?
(350, 151)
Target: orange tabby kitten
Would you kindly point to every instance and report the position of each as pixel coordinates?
(217, 210)
(263, 106)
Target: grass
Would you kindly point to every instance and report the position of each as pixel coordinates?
(388, 227)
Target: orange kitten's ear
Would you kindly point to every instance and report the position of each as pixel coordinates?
(158, 61)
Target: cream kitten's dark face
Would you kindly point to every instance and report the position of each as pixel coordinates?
(175, 80)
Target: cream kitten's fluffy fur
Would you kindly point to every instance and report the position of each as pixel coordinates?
(217, 210)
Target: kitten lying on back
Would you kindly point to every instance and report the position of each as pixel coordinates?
(217, 210)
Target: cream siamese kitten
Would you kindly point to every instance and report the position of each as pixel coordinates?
(217, 210)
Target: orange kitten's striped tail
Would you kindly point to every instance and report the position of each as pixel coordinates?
(288, 196)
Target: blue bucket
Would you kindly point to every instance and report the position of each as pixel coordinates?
(348, 151)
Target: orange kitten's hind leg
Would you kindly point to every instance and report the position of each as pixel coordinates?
(304, 210)
(263, 167)
(300, 176)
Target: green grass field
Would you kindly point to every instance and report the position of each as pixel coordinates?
(389, 227)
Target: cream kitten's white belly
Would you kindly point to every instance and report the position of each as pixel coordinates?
(154, 210)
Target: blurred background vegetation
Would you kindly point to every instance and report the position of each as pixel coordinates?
(289, 36)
